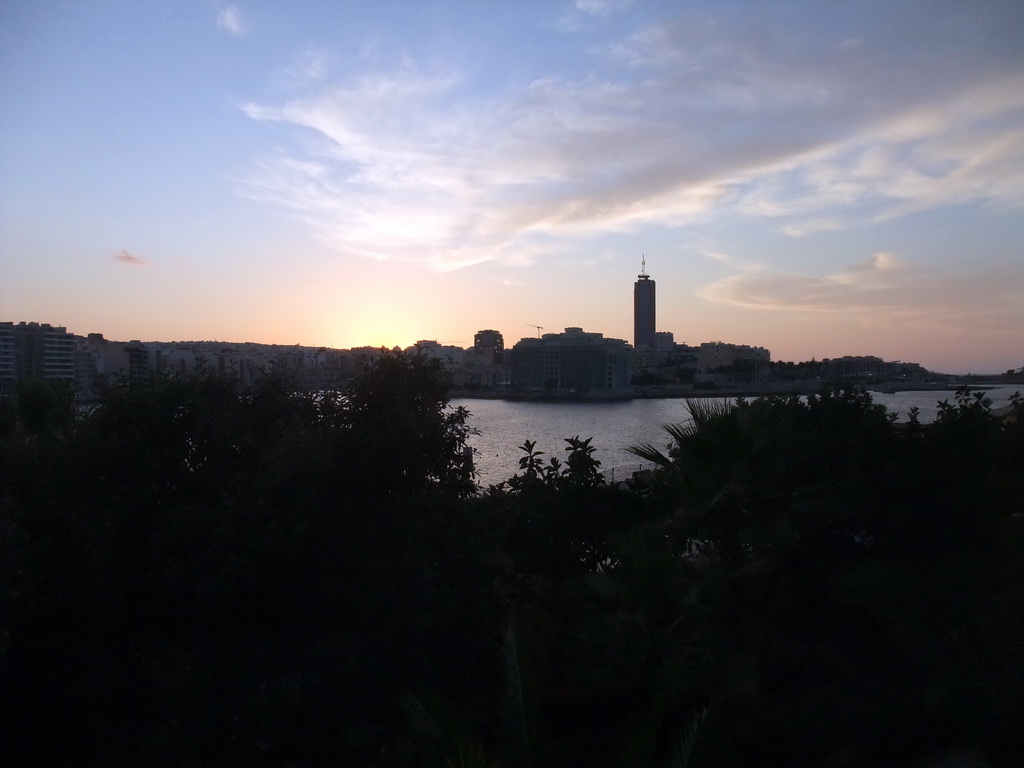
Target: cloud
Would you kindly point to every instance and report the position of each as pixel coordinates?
(809, 226)
(230, 20)
(914, 160)
(128, 258)
(731, 261)
(309, 67)
(884, 290)
(862, 286)
(602, 7)
(708, 116)
(584, 11)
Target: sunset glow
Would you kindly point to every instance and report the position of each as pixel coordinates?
(818, 179)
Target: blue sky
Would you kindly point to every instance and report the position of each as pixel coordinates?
(820, 179)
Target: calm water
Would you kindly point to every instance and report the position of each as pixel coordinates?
(503, 426)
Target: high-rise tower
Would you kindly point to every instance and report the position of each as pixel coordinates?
(643, 309)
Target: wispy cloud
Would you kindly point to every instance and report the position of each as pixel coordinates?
(128, 258)
(711, 115)
(884, 290)
(584, 12)
(809, 226)
(735, 263)
(230, 20)
(602, 7)
(309, 67)
(868, 285)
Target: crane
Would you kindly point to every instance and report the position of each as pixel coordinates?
(538, 327)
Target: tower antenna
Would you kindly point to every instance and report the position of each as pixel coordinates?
(643, 266)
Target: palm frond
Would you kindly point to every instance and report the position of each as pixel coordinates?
(421, 718)
(446, 738)
(515, 746)
(648, 452)
(704, 410)
(680, 755)
(471, 757)
(681, 431)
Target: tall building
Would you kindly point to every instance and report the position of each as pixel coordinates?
(643, 310)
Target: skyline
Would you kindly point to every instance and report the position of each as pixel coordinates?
(819, 181)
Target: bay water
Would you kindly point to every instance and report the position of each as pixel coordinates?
(500, 427)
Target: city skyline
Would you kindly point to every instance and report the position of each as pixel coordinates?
(819, 181)
(573, 362)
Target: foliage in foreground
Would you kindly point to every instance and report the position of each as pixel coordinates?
(196, 573)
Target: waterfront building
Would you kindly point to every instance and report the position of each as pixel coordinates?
(453, 357)
(7, 370)
(643, 310)
(573, 362)
(649, 360)
(485, 367)
(490, 346)
(869, 367)
(434, 349)
(358, 359)
(721, 363)
(37, 351)
(101, 362)
(715, 354)
(180, 359)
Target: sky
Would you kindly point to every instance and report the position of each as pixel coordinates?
(818, 178)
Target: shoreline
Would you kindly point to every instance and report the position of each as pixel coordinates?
(675, 392)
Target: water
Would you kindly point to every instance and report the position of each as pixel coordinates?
(502, 426)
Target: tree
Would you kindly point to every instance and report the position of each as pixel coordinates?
(401, 425)
(207, 573)
(861, 567)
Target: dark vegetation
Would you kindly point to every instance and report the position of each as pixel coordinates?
(194, 573)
